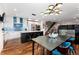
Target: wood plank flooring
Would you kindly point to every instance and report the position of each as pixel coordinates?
(15, 47)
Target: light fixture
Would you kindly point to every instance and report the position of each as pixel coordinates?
(42, 13)
(48, 11)
(15, 9)
(58, 5)
(60, 12)
(51, 6)
(53, 9)
(51, 13)
(46, 15)
(56, 14)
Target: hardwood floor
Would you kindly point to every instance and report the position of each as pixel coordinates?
(77, 49)
(15, 47)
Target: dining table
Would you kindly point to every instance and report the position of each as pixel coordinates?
(47, 42)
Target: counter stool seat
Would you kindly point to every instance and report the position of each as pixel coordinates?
(71, 39)
(65, 45)
(56, 52)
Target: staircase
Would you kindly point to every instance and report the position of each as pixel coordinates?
(49, 27)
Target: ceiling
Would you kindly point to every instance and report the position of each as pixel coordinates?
(25, 10)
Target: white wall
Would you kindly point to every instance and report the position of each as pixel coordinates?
(9, 23)
(69, 22)
(1, 37)
(15, 34)
(12, 35)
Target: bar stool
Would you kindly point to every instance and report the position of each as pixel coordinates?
(56, 52)
(72, 39)
(65, 45)
(68, 45)
(71, 50)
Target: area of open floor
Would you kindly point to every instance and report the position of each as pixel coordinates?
(15, 47)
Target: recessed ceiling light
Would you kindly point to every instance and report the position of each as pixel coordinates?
(29, 19)
(14, 9)
(36, 20)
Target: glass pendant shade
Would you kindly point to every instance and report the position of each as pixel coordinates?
(50, 7)
(48, 11)
(59, 5)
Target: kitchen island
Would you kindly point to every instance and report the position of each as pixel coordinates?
(22, 35)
